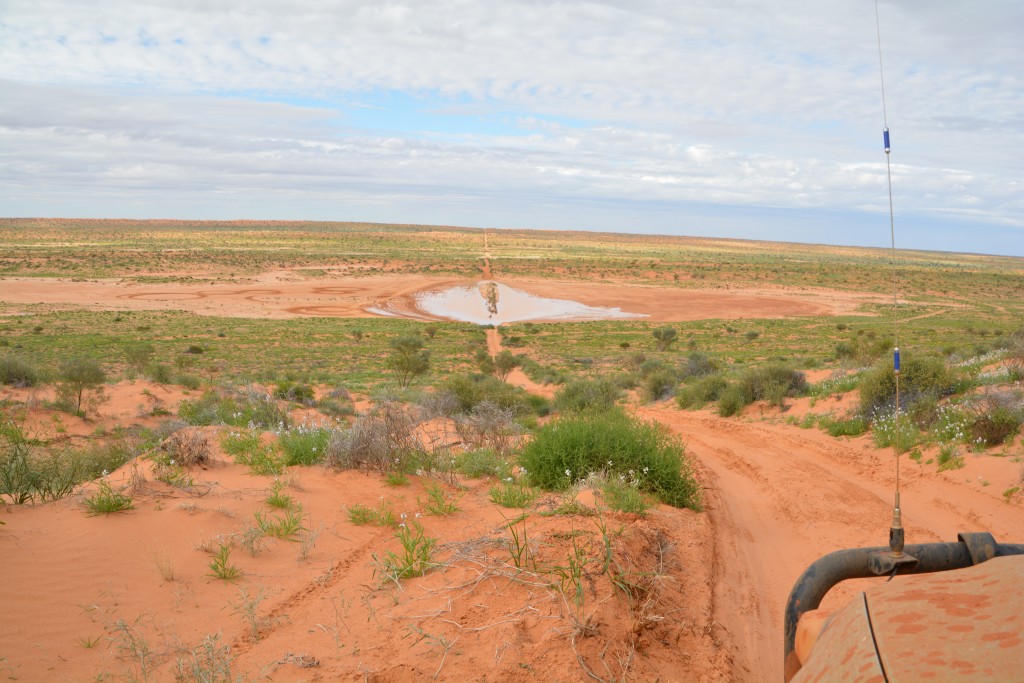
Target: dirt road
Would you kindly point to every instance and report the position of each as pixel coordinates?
(781, 496)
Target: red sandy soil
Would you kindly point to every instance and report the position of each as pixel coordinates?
(79, 591)
(76, 590)
(287, 295)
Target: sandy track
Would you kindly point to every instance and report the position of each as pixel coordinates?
(780, 497)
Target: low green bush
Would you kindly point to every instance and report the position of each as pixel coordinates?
(295, 392)
(698, 365)
(159, 373)
(855, 426)
(245, 408)
(482, 462)
(29, 472)
(704, 390)
(660, 384)
(571, 448)
(995, 426)
(731, 401)
(17, 372)
(772, 382)
(304, 445)
(921, 378)
(188, 380)
(471, 390)
(587, 394)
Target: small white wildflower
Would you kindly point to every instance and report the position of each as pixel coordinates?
(417, 515)
(568, 473)
(105, 473)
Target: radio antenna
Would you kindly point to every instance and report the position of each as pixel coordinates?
(896, 534)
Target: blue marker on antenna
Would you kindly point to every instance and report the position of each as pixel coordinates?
(896, 360)
(885, 139)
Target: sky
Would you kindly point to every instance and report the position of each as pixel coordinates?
(721, 118)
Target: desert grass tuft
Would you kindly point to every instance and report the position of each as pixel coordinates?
(106, 501)
(221, 567)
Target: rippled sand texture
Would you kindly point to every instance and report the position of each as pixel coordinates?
(492, 303)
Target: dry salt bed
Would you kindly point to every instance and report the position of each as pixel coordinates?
(492, 303)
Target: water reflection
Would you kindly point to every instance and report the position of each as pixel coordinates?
(492, 303)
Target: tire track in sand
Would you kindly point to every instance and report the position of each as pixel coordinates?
(780, 497)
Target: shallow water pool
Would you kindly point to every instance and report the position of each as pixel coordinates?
(492, 303)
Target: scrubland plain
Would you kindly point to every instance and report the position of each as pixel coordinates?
(239, 451)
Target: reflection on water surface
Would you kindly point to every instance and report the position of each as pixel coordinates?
(492, 303)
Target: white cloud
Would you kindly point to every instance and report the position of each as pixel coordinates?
(731, 102)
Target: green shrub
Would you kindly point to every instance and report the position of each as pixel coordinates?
(664, 337)
(698, 365)
(408, 358)
(921, 377)
(17, 372)
(159, 373)
(730, 401)
(771, 383)
(542, 374)
(587, 394)
(78, 375)
(138, 354)
(248, 407)
(304, 445)
(29, 473)
(704, 390)
(504, 363)
(854, 426)
(995, 426)
(651, 366)
(189, 381)
(335, 408)
(482, 462)
(571, 448)
(471, 390)
(295, 392)
(18, 477)
(659, 385)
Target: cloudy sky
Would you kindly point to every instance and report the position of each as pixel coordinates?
(733, 118)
